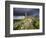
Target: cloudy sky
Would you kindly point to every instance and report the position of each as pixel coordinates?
(29, 11)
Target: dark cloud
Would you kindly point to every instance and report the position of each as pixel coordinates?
(29, 11)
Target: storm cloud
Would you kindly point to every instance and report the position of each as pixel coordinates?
(29, 11)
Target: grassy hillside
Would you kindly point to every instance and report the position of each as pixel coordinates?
(26, 23)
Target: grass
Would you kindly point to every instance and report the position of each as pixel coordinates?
(26, 23)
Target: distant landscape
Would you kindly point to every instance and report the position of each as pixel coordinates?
(24, 20)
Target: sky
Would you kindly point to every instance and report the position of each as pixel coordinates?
(29, 11)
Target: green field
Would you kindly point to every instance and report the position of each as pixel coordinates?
(26, 23)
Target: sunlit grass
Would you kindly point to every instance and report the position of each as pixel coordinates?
(26, 23)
